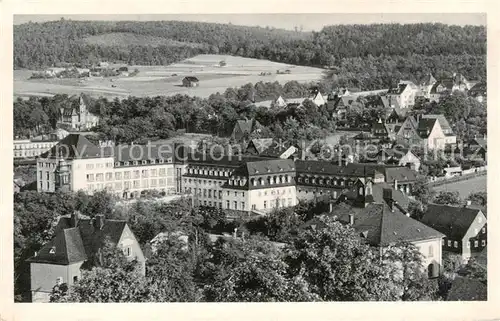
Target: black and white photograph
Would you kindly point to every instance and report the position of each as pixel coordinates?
(316, 157)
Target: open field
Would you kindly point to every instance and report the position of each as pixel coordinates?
(167, 80)
(464, 188)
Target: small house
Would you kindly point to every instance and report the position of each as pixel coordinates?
(190, 81)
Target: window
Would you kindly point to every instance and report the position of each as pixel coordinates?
(289, 202)
(41, 175)
(235, 204)
(154, 172)
(483, 243)
(48, 185)
(89, 166)
(48, 175)
(154, 182)
(243, 205)
(126, 175)
(220, 194)
(118, 185)
(476, 231)
(483, 230)
(127, 251)
(220, 204)
(209, 193)
(118, 176)
(90, 177)
(99, 177)
(254, 207)
(449, 243)
(265, 204)
(455, 244)
(52, 250)
(162, 172)
(109, 176)
(75, 279)
(136, 174)
(468, 244)
(209, 203)
(127, 185)
(476, 243)
(144, 173)
(163, 182)
(235, 194)
(204, 193)
(227, 204)
(431, 251)
(136, 184)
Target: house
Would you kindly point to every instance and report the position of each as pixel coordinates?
(244, 128)
(127, 171)
(318, 99)
(280, 150)
(477, 148)
(78, 240)
(341, 106)
(381, 130)
(403, 95)
(424, 132)
(464, 228)
(447, 86)
(478, 91)
(190, 81)
(399, 157)
(450, 137)
(257, 145)
(280, 102)
(78, 117)
(381, 221)
(426, 86)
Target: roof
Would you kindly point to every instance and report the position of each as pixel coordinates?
(86, 99)
(65, 248)
(272, 166)
(275, 150)
(453, 221)
(478, 89)
(75, 146)
(467, 289)
(425, 126)
(483, 142)
(245, 125)
(429, 80)
(261, 144)
(443, 122)
(398, 90)
(191, 78)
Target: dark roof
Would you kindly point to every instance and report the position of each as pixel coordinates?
(76, 244)
(328, 168)
(429, 80)
(467, 289)
(453, 221)
(191, 78)
(75, 146)
(261, 144)
(398, 90)
(400, 173)
(275, 150)
(272, 166)
(445, 125)
(478, 89)
(86, 99)
(483, 142)
(425, 126)
(379, 226)
(65, 248)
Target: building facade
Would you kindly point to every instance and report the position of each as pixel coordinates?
(78, 117)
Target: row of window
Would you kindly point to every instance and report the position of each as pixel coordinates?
(99, 177)
(469, 243)
(209, 172)
(320, 192)
(162, 182)
(202, 182)
(321, 181)
(208, 193)
(33, 146)
(278, 203)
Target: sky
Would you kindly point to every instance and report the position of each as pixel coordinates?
(308, 22)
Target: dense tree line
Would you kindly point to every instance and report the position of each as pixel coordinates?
(324, 265)
(365, 56)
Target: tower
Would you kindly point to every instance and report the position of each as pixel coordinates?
(62, 176)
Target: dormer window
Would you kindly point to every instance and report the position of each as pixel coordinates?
(162, 161)
(117, 164)
(136, 163)
(144, 162)
(153, 161)
(52, 250)
(169, 160)
(126, 163)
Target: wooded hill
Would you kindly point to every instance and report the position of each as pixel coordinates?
(365, 56)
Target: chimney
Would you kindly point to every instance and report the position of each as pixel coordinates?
(351, 219)
(74, 218)
(396, 184)
(99, 221)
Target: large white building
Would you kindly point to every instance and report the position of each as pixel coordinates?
(248, 184)
(76, 164)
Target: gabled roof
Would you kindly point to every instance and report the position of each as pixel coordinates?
(191, 78)
(246, 125)
(429, 80)
(75, 146)
(272, 166)
(261, 144)
(86, 99)
(425, 126)
(276, 150)
(453, 221)
(482, 142)
(478, 89)
(443, 122)
(65, 248)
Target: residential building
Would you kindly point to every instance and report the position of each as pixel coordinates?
(25, 148)
(249, 184)
(478, 91)
(464, 228)
(280, 102)
(244, 128)
(378, 212)
(403, 95)
(450, 137)
(78, 117)
(258, 145)
(447, 86)
(399, 157)
(426, 86)
(128, 170)
(318, 99)
(190, 81)
(78, 240)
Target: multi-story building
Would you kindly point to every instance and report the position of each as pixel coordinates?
(78, 117)
(403, 95)
(31, 148)
(248, 184)
(78, 240)
(76, 164)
